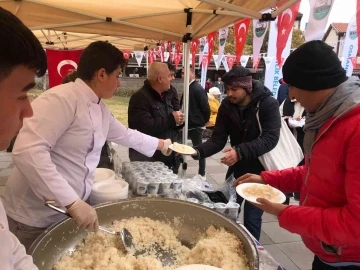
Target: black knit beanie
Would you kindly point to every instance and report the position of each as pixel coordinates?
(314, 66)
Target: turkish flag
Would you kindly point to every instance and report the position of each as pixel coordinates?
(169, 47)
(205, 63)
(194, 46)
(177, 59)
(178, 47)
(150, 56)
(353, 61)
(256, 64)
(285, 23)
(61, 63)
(126, 54)
(210, 39)
(241, 30)
(162, 52)
(230, 59)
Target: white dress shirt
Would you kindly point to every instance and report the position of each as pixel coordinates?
(12, 253)
(58, 149)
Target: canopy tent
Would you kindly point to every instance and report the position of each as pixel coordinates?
(174, 20)
(71, 40)
(159, 19)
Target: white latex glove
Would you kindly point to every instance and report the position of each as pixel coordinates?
(84, 215)
(165, 150)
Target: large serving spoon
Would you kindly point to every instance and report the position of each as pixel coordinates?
(166, 257)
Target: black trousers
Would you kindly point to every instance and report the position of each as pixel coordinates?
(320, 265)
(195, 136)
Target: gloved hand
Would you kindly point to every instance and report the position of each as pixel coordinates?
(84, 215)
(165, 150)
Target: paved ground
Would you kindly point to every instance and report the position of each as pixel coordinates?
(285, 247)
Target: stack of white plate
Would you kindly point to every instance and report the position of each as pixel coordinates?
(108, 190)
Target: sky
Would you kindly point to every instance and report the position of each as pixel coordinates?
(342, 11)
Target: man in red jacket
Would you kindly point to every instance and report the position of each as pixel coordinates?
(328, 217)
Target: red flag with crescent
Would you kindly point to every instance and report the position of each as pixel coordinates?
(61, 63)
(353, 61)
(210, 38)
(230, 59)
(150, 56)
(241, 31)
(205, 62)
(177, 59)
(194, 46)
(126, 54)
(162, 52)
(178, 48)
(169, 47)
(285, 24)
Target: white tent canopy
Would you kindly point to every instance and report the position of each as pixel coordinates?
(157, 20)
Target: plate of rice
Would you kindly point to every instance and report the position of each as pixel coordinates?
(182, 149)
(252, 191)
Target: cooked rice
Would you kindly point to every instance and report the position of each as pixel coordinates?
(100, 251)
(261, 191)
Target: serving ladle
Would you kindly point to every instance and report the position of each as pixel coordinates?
(166, 257)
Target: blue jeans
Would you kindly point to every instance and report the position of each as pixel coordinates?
(252, 217)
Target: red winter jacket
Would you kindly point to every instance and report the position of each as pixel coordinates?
(328, 218)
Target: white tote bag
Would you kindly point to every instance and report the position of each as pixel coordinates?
(286, 154)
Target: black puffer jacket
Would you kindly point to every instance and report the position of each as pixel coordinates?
(199, 109)
(151, 114)
(242, 127)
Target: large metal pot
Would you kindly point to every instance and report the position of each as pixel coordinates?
(63, 237)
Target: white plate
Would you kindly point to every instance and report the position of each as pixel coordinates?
(279, 197)
(188, 150)
(197, 267)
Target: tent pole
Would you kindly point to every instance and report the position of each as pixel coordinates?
(186, 52)
(147, 62)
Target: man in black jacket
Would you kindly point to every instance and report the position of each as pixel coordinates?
(283, 91)
(199, 115)
(237, 118)
(151, 112)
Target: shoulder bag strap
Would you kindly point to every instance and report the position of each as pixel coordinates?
(257, 116)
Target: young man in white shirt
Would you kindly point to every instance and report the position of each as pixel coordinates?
(22, 57)
(57, 151)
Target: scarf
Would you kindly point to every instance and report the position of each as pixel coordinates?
(329, 108)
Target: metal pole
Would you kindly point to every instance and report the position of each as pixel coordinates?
(187, 47)
(147, 62)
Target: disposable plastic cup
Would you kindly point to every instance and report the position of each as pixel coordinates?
(233, 210)
(142, 187)
(220, 207)
(177, 185)
(165, 187)
(153, 188)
